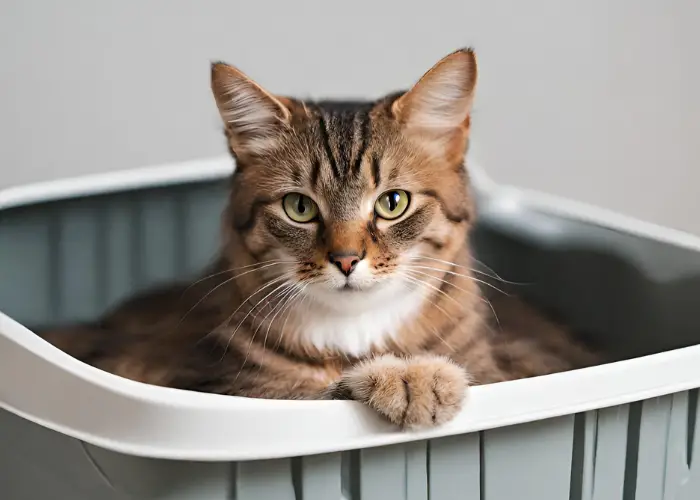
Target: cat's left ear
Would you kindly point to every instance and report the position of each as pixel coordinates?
(254, 118)
(441, 101)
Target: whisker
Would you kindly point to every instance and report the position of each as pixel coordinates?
(285, 283)
(495, 273)
(222, 284)
(428, 285)
(433, 330)
(463, 276)
(447, 283)
(494, 276)
(451, 318)
(260, 289)
(483, 299)
(299, 305)
(263, 262)
(279, 300)
(206, 278)
(289, 288)
(289, 311)
(296, 290)
(282, 299)
(225, 282)
(282, 277)
(232, 269)
(255, 315)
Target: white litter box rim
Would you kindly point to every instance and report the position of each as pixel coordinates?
(44, 385)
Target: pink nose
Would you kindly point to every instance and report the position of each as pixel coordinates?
(344, 261)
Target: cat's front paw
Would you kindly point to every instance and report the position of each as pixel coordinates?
(417, 392)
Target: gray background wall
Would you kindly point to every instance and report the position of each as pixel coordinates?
(594, 100)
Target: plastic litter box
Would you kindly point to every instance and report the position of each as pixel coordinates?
(625, 430)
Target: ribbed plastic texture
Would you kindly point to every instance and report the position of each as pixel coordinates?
(66, 261)
(643, 451)
(71, 259)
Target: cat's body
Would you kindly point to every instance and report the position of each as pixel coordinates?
(345, 269)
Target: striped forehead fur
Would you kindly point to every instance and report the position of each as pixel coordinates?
(344, 133)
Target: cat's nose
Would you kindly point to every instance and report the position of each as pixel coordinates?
(346, 262)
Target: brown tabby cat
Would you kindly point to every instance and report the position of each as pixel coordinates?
(345, 269)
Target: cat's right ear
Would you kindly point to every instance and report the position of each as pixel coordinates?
(253, 117)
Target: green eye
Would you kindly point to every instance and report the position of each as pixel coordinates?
(300, 208)
(392, 204)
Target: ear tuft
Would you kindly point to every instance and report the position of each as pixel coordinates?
(253, 116)
(442, 98)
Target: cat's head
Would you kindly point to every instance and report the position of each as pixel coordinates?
(346, 199)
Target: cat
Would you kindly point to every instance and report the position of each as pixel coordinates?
(345, 269)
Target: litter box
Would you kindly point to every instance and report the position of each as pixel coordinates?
(621, 431)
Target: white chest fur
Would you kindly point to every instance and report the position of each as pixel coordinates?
(358, 329)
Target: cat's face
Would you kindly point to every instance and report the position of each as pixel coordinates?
(352, 202)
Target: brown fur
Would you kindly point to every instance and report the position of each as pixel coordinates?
(244, 328)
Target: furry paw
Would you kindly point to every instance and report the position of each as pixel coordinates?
(414, 393)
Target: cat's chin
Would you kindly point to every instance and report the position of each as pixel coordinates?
(348, 288)
(351, 298)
